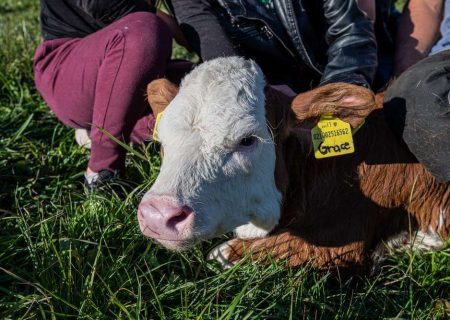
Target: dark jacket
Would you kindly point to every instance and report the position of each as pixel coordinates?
(79, 18)
(332, 38)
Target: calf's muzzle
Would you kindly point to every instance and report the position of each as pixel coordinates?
(162, 218)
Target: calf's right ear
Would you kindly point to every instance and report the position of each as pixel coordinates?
(160, 93)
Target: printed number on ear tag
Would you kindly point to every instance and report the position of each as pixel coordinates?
(155, 128)
(332, 137)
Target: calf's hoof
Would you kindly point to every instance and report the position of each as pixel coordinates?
(222, 254)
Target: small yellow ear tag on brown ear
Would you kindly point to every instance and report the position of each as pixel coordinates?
(332, 137)
(155, 128)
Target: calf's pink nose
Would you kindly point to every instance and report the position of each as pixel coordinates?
(161, 218)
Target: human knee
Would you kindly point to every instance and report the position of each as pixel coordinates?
(146, 33)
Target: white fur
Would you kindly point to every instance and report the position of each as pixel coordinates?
(227, 186)
(427, 240)
(442, 218)
(250, 231)
(419, 241)
(220, 254)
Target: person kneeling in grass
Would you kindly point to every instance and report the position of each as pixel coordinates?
(92, 68)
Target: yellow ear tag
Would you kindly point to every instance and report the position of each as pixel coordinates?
(332, 137)
(155, 128)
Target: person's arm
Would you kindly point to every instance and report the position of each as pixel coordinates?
(202, 29)
(368, 7)
(107, 11)
(417, 32)
(352, 52)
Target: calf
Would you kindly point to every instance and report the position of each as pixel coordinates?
(238, 156)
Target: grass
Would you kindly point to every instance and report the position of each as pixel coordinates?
(65, 254)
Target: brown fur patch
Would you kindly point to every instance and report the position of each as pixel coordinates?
(336, 211)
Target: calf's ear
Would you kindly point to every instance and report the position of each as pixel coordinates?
(348, 102)
(160, 93)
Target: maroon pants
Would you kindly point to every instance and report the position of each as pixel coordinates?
(99, 82)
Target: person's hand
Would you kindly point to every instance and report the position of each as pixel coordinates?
(173, 26)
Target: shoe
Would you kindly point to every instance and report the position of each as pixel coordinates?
(82, 137)
(97, 180)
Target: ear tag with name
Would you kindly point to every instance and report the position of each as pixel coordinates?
(332, 137)
(155, 128)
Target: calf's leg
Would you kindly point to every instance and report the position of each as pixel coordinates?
(286, 245)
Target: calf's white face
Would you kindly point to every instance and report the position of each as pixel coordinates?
(217, 174)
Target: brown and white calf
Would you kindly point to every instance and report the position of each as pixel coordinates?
(238, 156)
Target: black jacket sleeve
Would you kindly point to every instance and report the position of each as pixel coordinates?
(352, 53)
(202, 29)
(107, 11)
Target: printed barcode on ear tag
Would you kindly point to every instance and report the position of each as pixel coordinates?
(155, 128)
(332, 137)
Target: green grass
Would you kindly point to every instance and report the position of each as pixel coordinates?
(65, 254)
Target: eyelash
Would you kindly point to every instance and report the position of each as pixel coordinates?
(248, 142)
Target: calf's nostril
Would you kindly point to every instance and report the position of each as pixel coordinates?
(177, 221)
(172, 222)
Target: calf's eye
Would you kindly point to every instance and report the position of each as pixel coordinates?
(247, 141)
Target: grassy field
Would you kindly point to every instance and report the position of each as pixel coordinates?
(65, 254)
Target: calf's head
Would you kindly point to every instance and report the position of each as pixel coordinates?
(217, 172)
(220, 158)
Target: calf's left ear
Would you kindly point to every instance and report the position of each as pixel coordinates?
(348, 102)
(160, 93)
